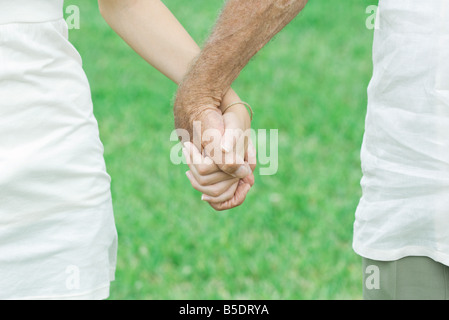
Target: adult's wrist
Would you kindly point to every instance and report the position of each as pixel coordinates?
(195, 92)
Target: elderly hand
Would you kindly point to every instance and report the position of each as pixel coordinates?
(199, 115)
(220, 189)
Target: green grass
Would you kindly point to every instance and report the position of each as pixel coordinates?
(292, 238)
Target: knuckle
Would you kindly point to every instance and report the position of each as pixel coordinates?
(230, 167)
(215, 192)
(202, 169)
(202, 180)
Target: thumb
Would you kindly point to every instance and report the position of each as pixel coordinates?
(211, 137)
(208, 127)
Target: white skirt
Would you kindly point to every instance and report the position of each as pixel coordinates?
(57, 233)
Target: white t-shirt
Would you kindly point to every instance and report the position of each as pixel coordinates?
(404, 210)
(57, 233)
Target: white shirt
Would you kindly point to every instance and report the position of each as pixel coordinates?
(57, 233)
(30, 10)
(404, 209)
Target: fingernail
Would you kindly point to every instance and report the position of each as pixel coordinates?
(205, 198)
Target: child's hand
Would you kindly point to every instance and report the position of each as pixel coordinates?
(221, 190)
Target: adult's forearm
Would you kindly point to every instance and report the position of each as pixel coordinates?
(243, 28)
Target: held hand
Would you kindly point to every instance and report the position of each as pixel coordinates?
(220, 162)
(243, 187)
(206, 177)
(221, 190)
(198, 119)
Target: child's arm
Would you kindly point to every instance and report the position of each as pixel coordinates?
(154, 33)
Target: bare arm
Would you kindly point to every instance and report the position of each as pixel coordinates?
(153, 32)
(243, 28)
(150, 28)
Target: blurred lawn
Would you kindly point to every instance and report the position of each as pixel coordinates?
(292, 238)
